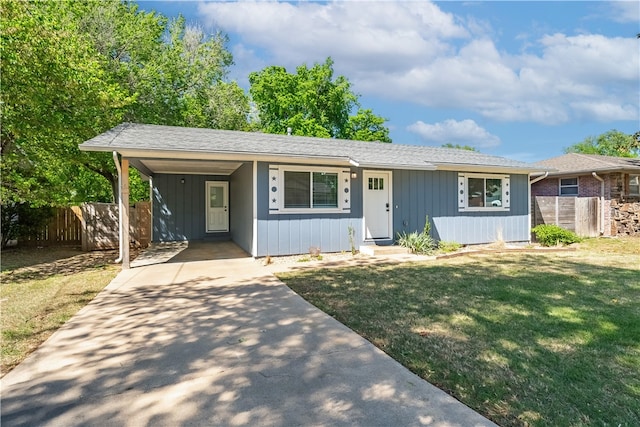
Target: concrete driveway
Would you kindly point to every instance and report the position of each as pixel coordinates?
(216, 343)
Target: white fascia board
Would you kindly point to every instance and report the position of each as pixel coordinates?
(387, 166)
(557, 174)
(484, 168)
(231, 156)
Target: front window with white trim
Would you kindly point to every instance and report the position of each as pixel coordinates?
(299, 189)
(634, 185)
(480, 192)
(568, 186)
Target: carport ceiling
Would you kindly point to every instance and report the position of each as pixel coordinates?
(191, 167)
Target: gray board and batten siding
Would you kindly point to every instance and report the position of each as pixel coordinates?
(241, 206)
(434, 193)
(415, 195)
(179, 212)
(287, 234)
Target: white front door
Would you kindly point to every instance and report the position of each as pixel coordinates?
(377, 205)
(217, 206)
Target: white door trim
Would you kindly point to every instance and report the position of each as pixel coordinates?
(225, 187)
(389, 188)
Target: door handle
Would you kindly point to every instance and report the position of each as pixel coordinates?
(387, 205)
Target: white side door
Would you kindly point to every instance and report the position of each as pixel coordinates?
(217, 206)
(377, 205)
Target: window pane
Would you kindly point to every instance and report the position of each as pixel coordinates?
(494, 193)
(568, 186)
(216, 197)
(634, 184)
(381, 184)
(370, 183)
(297, 190)
(568, 191)
(476, 192)
(325, 190)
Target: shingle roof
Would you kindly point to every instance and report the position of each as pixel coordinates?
(576, 163)
(155, 140)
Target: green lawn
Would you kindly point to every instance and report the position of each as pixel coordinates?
(41, 289)
(525, 339)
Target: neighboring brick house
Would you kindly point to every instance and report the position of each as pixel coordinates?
(614, 180)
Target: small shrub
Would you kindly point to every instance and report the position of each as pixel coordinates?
(446, 247)
(552, 235)
(418, 243)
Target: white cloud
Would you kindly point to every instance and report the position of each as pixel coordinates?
(625, 11)
(388, 34)
(415, 52)
(464, 132)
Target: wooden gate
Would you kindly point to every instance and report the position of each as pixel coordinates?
(578, 214)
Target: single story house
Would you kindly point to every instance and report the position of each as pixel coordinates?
(282, 194)
(614, 181)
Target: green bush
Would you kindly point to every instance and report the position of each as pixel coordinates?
(19, 220)
(445, 246)
(418, 243)
(552, 235)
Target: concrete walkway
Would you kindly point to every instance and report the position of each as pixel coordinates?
(215, 343)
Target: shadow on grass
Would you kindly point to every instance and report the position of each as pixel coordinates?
(178, 347)
(21, 265)
(522, 339)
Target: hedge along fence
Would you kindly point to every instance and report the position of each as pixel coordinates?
(94, 226)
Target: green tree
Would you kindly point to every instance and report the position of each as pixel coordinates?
(460, 147)
(55, 93)
(71, 70)
(366, 126)
(610, 143)
(312, 103)
(173, 72)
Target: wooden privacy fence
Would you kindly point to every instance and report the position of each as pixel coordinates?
(578, 214)
(64, 229)
(93, 226)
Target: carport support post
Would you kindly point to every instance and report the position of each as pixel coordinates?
(124, 209)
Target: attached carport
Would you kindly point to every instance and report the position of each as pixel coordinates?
(204, 199)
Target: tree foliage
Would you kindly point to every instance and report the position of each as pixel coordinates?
(312, 102)
(610, 143)
(73, 69)
(460, 147)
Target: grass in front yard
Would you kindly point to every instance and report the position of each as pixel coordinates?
(525, 339)
(41, 289)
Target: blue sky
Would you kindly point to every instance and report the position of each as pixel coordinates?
(512, 78)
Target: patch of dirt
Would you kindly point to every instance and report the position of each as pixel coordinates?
(307, 259)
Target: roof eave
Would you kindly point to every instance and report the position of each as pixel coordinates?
(465, 167)
(425, 167)
(596, 170)
(219, 155)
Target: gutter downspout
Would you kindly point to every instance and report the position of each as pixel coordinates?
(595, 175)
(540, 178)
(120, 229)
